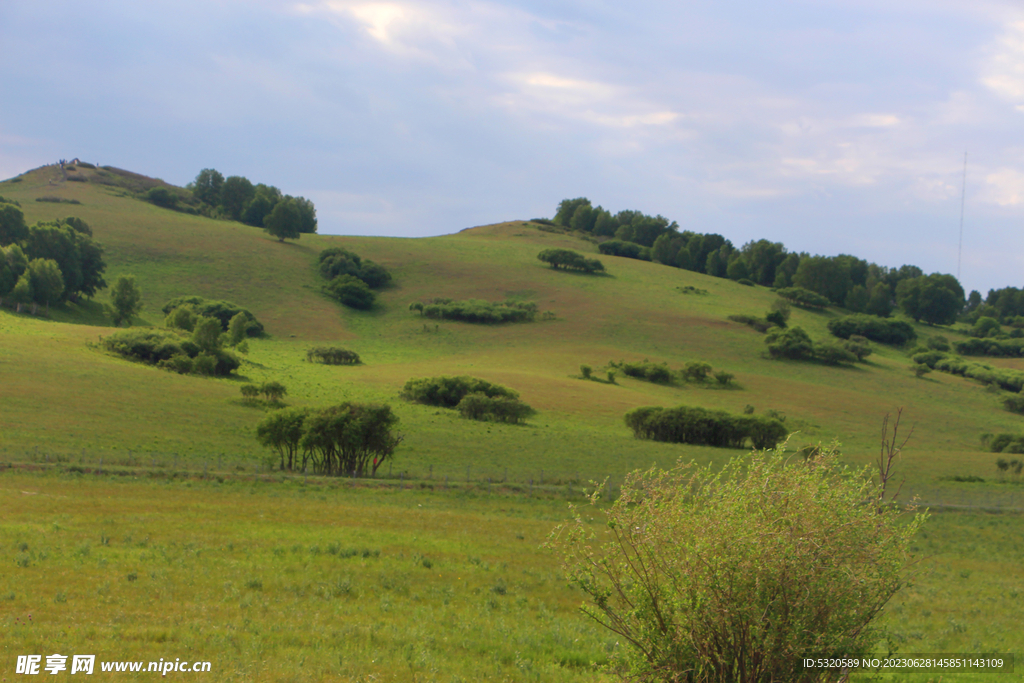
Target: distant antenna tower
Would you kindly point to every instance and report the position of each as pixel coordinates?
(963, 197)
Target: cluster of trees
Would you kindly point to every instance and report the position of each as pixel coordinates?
(696, 371)
(570, 260)
(477, 311)
(200, 353)
(729, 575)
(272, 391)
(351, 439)
(262, 206)
(1004, 348)
(1006, 443)
(332, 355)
(183, 312)
(1009, 380)
(474, 398)
(895, 332)
(49, 262)
(350, 278)
(704, 427)
(1005, 305)
(842, 280)
(795, 344)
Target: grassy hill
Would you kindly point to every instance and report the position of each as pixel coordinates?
(275, 578)
(638, 311)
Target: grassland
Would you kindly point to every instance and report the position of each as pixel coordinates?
(236, 555)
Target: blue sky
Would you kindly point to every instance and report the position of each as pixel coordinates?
(832, 126)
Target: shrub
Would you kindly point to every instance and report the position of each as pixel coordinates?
(351, 291)
(759, 324)
(938, 343)
(696, 371)
(478, 406)
(250, 392)
(745, 282)
(273, 391)
(729, 576)
(704, 427)
(1015, 404)
(805, 298)
(985, 327)
(171, 351)
(586, 371)
(223, 311)
(646, 370)
(332, 355)
(872, 327)
(829, 354)
(448, 392)
(858, 346)
(338, 261)
(1002, 348)
(792, 343)
(570, 260)
(626, 249)
(482, 312)
(724, 378)
(1006, 443)
(161, 196)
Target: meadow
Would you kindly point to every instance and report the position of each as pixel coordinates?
(142, 519)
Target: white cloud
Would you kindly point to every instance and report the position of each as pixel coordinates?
(1005, 187)
(1004, 72)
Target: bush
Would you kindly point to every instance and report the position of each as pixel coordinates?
(1006, 443)
(829, 354)
(1000, 348)
(161, 196)
(223, 311)
(745, 282)
(448, 392)
(482, 312)
(1015, 404)
(332, 355)
(273, 391)
(877, 329)
(798, 296)
(646, 370)
(626, 249)
(759, 324)
(724, 378)
(585, 371)
(696, 371)
(704, 427)
(858, 346)
(170, 351)
(735, 575)
(792, 343)
(570, 260)
(479, 406)
(351, 291)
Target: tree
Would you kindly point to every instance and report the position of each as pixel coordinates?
(351, 291)
(351, 439)
(47, 282)
(567, 208)
(282, 430)
(274, 391)
(12, 224)
(238, 328)
(125, 300)
(936, 299)
(284, 220)
(828, 276)
(307, 215)
(735, 575)
(264, 198)
(793, 343)
(12, 264)
(236, 194)
(207, 186)
(880, 301)
(206, 334)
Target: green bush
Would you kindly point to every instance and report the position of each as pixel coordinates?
(645, 370)
(482, 312)
(479, 406)
(223, 311)
(1015, 404)
(793, 343)
(338, 261)
(448, 392)
(570, 260)
(798, 296)
(171, 351)
(625, 249)
(830, 354)
(759, 324)
(872, 327)
(704, 427)
(696, 371)
(351, 291)
(1000, 348)
(332, 355)
(724, 378)
(712, 576)
(1006, 443)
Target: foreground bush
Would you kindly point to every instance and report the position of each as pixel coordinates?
(171, 351)
(872, 327)
(704, 427)
(448, 392)
(736, 575)
(497, 409)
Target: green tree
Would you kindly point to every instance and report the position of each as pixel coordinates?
(857, 299)
(282, 430)
(12, 224)
(567, 208)
(236, 194)
(936, 299)
(207, 186)
(22, 292)
(47, 282)
(880, 301)
(351, 439)
(307, 215)
(12, 264)
(264, 198)
(206, 334)
(735, 575)
(828, 276)
(125, 300)
(284, 220)
(351, 291)
(274, 391)
(238, 328)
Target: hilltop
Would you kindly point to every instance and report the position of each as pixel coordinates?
(639, 310)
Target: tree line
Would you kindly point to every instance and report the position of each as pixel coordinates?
(259, 205)
(48, 263)
(842, 280)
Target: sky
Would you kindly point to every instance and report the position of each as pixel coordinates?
(832, 126)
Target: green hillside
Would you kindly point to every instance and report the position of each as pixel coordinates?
(194, 546)
(637, 311)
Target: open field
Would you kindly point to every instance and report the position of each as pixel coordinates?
(191, 507)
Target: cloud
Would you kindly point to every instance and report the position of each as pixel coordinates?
(1005, 187)
(1004, 72)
